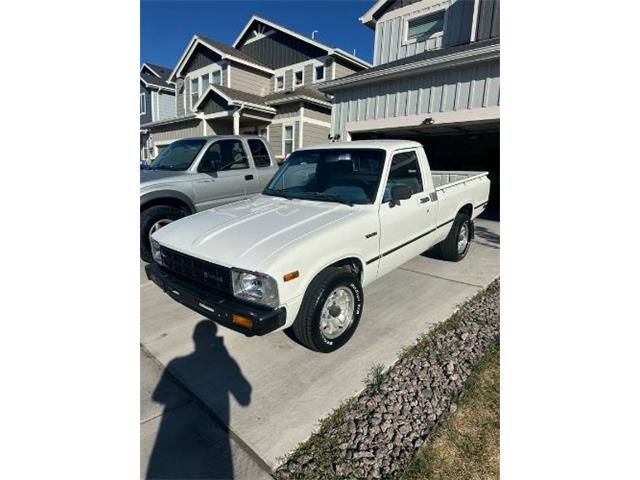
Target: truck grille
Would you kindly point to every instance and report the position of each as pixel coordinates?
(213, 277)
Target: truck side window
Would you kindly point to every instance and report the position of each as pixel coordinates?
(226, 155)
(259, 153)
(405, 170)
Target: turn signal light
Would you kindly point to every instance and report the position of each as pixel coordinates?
(242, 321)
(291, 275)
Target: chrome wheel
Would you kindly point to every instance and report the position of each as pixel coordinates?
(337, 313)
(463, 238)
(158, 225)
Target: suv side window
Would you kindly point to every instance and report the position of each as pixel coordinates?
(259, 152)
(405, 170)
(225, 155)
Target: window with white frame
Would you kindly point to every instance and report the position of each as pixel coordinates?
(205, 82)
(279, 82)
(318, 73)
(216, 77)
(195, 91)
(425, 26)
(143, 103)
(298, 78)
(262, 131)
(287, 140)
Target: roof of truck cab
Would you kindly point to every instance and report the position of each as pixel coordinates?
(386, 144)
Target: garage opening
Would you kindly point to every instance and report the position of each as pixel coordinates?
(457, 148)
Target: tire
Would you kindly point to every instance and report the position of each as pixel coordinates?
(151, 216)
(449, 246)
(307, 326)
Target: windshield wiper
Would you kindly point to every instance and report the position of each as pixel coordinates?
(277, 193)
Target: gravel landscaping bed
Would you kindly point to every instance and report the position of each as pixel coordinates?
(375, 434)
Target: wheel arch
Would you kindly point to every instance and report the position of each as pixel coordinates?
(167, 197)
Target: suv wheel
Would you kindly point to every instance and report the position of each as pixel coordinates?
(153, 219)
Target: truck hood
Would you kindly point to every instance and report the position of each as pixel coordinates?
(153, 177)
(246, 234)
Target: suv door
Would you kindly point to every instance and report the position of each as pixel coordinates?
(406, 227)
(264, 167)
(223, 174)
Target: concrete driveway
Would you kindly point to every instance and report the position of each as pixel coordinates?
(259, 397)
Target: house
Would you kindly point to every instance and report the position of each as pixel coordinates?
(157, 101)
(265, 83)
(435, 79)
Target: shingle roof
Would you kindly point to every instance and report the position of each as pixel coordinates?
(164, 72)
(153, 80)
(240, 96)
(296, 94)
(234, 52)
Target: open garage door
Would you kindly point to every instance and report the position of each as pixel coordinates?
(459, 148)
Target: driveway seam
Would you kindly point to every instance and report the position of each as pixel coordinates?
(211, 414)
(441, 278)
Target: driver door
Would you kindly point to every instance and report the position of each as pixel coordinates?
(223, 174)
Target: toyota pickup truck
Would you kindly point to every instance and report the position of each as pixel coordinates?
(194, 174)
(333, 219)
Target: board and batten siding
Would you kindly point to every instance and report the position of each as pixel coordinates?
(166, 105)
(390, 44)
(465, 88)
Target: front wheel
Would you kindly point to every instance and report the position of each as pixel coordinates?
(330, 311)
(151, 220)
(456, 246)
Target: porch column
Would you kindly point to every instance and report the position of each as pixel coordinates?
(236, 123)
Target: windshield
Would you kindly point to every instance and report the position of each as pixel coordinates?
(177, 156)
(339, 175)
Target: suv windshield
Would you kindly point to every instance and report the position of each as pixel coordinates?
(340, 175)
(177, 156)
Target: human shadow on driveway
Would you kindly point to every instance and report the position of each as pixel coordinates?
(191, 443)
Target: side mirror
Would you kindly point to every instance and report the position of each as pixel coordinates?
(400, 192)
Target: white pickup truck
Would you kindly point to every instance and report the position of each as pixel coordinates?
(333, 219)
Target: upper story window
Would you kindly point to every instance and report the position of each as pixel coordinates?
(216, 77)
(425, 26)
(195, 91)
(279, 82)
(205, 83)
(318, 73)
(298, 78)
(143, 103)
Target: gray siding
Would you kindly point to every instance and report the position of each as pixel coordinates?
(317, 113)
(343, 69)
(250, 80)
(488, 19)
(201, 57)
(214, 104)
(470, 87)
(288, 79)
(174, 131)
(166, 105)
(287, 111)
(458, 22)
(275, 139)
(315, 134)
(180, 92)
(390, 34)
(279, 50)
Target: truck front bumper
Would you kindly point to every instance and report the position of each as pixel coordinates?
(220, 309)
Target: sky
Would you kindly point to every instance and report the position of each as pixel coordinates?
(167, 26)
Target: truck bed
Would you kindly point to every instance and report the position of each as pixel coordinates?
(443, 178)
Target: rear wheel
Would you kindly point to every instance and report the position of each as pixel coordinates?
(330, 311)
(456, 246)
(153, 219)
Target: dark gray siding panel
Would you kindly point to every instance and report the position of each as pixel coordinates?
(215, 104)
(488, 19)
(279, 50)
(146, 118)
(457, 29)
(394, 5)
(200, 58)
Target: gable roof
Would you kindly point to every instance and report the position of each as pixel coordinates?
(225, 51)
(235, 97)
(158, 70)
(301, 93)
(152, 80)
(330, 50)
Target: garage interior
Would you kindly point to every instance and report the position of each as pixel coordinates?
(456, 147)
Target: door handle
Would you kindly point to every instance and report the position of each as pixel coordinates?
(424, 200)
(248, 177)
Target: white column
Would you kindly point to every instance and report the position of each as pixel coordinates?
(301, 132)
(236, 123)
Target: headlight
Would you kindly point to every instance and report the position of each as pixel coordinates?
(155, 252)
(255, 287)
